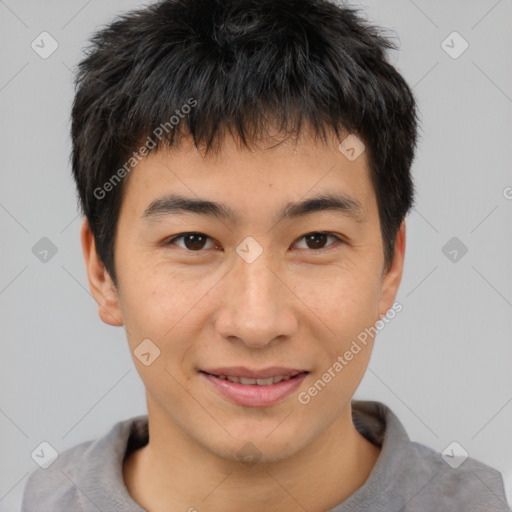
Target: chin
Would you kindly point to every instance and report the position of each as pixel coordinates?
(261, 446)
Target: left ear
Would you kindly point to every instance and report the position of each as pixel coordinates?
(393, 276)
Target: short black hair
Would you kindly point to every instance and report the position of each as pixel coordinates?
(208, 68)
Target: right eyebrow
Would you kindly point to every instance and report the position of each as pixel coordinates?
(176, 204)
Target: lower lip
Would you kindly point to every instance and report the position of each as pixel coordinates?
(252, 395)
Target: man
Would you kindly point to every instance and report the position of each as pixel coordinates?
(244, 172)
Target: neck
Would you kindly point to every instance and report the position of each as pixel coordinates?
(173, 473)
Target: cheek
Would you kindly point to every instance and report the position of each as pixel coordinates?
(165, 306)
(348, 307)
(160, 309)
(150, 293)
(345, 302)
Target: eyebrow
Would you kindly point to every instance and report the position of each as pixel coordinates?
(177, 204)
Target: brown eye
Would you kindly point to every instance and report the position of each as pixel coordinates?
(318, 240)
(191, 241)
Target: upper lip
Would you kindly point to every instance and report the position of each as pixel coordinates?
(263, 373)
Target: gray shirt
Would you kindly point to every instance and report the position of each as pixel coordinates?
(407, 477)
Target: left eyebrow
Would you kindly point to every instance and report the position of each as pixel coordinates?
(176, 204)
(344, 204)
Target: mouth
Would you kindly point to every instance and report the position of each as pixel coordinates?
(255, 388)
(258, 382)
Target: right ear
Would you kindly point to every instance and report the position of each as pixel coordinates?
(100, 283)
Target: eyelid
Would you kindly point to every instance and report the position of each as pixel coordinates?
(171, 241)
(338, 240)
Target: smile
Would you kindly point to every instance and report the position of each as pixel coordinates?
(255, 391)
(259, 382)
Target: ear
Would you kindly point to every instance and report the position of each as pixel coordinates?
(393, 276)
(100, 283)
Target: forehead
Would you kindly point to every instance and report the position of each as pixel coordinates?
(254, 181)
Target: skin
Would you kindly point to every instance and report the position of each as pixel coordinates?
(296, 306)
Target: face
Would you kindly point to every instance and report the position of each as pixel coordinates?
(258, 282)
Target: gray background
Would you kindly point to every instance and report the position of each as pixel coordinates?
(443, 364)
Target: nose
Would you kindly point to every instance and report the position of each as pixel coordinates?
(256, 305)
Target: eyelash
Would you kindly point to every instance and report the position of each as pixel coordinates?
(338, 240)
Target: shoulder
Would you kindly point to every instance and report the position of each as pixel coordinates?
(46, 488)
(457, 481)
(412, 477)
(87, 475)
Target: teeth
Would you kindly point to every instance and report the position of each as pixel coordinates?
(279, 379)
(260, 382)
(243, 380)
(265, 382)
